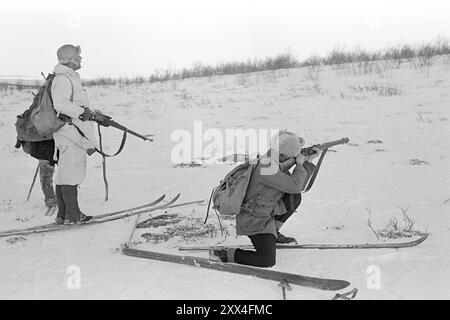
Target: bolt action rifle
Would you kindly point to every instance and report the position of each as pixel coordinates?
(107, 121)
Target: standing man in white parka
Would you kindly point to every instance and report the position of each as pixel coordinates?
(70, 100)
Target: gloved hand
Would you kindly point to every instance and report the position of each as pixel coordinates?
(311, 157)
(102, 119)
(87, 115)
(300, 159)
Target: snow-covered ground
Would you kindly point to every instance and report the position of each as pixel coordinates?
(405, 109)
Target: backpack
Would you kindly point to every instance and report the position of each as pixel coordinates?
(39, 121)
(228, 196)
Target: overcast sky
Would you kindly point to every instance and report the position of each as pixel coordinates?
(136, 37)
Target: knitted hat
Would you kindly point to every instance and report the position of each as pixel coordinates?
(67, 52)
(289, 144)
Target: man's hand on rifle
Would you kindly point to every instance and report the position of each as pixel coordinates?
(96, 115)
(300, 159)
(102, 119)
(87, 115)
(311, 157)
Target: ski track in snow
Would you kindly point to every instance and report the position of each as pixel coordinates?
(357, 177)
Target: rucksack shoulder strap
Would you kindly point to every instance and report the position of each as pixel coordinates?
(62, 74)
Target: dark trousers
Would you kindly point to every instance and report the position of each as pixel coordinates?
(61, 205)
(264, 254)
(67, 198)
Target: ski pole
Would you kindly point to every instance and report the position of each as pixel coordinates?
(284, 285)
(130, 238)
(32, 183)
(346, 296)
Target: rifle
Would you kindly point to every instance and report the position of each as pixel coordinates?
(310, 151)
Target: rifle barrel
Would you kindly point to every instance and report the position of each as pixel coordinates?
(309, 150)
(326, 145)
(334, 143)
(116, 125)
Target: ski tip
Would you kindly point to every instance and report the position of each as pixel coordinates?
(423, 238)
(337, 285)
(176, 197)
(162, 197)
(159, 199)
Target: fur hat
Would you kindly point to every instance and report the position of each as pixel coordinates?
(67, 52)
(289, 144)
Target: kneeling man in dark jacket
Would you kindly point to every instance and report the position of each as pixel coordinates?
(265, 211)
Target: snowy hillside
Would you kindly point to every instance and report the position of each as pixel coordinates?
(398, 159)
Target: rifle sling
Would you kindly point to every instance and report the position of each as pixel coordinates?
(105, 179)
(122, 144)
(314, 175)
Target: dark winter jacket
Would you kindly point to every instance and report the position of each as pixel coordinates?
(264, 198)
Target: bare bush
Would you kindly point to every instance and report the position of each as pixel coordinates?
(447, 62)
(418, 162)
(378, 88)
(242, 79)
(369, 223)
(311, 73)
(186, 99)
(312, 61)
(396, 227)
(189, 229)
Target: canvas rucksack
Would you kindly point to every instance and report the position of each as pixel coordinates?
(40, 121)
(228, 196)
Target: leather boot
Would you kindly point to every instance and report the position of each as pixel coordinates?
(283, 239)
(219, 255)
(85, 218)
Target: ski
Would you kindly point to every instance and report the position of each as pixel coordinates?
(59, 227)
(97, 220)
(391, 245)
(282, 277)
(150, 204)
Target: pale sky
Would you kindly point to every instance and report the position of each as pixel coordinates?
(136, 37)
